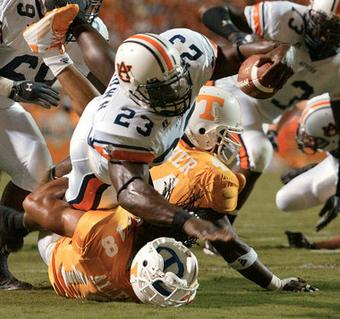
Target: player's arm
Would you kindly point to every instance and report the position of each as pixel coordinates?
(98, 55)
(46, 207)
(141, 199)
(244, 259)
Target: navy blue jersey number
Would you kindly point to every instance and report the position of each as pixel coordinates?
(26, 10)
(195, 53)
(123, 119)
(307, 91)
(9, 70)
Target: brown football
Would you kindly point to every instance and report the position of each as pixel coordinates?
(249, 78)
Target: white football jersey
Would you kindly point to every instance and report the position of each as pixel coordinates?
(283, 21)
(122, 130)
(17, 61)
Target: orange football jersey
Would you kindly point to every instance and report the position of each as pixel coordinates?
(200, 175)
(93, 264)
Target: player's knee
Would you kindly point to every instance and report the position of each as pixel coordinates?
(286, 201)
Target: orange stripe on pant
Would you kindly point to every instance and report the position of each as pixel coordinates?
(257, 19)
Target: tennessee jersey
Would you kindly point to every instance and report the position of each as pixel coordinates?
(118, 129)
(93, 264)
(200, 176)
(283, 21)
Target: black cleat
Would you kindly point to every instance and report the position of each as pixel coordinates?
(7, 280)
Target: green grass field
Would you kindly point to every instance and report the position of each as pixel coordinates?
(223, 293)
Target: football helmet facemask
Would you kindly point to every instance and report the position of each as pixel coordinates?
(164, 272)
(317, 130)
(322, 28)
(216, 123)
(152, 73)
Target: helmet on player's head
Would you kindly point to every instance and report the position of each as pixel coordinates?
(216, 123)
(88, 9)
(322, 27)
(153, 74)
(317, 129)
(164, 272)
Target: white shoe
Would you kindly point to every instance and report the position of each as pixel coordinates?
(50, 32)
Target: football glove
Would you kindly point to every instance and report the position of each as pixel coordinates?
(298, 240)
(297, 284)
(34, 92)
(328, 212)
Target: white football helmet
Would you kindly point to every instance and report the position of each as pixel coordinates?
(317, 129)
(216, 123)
(153, 74)
(164, 272)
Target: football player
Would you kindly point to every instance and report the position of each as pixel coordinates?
(92, 258)
(317, 132)
(142, 115)
(313, 33)
(198, 174)
(25, 78)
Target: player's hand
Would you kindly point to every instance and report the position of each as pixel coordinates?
(294, 172)
(297, 284)
(298, 240)
(34, 92)
(328, 212)
(205, 230)
(272, 137)
(279, 72)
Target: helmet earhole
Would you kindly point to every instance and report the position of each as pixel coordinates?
(201, 130)
(145, 263)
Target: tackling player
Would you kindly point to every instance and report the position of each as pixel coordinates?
(313, 33)
(198, 176)
(25, 78)
(142, 115)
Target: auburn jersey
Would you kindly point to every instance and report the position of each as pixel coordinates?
(199, 176)
(119, 129)
(17, 61)
(284, 21)
(93, 264)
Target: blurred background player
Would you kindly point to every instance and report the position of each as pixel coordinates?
(197, 176)
(25, 78)
(313, 33)
(317, 131)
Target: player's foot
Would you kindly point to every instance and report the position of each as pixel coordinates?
(7, 280)
(50, 32)
(209, 249)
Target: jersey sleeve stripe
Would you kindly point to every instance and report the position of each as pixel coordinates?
(257, 19)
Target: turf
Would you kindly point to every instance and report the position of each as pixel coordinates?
(223, 293)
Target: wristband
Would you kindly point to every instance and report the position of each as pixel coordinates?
(275, 284)
(180, 218)
(57, 62)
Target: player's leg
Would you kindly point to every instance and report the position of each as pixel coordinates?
(25, 158)
(255, 155)
(310, 188)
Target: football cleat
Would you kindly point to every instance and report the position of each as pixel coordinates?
(50, 32)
